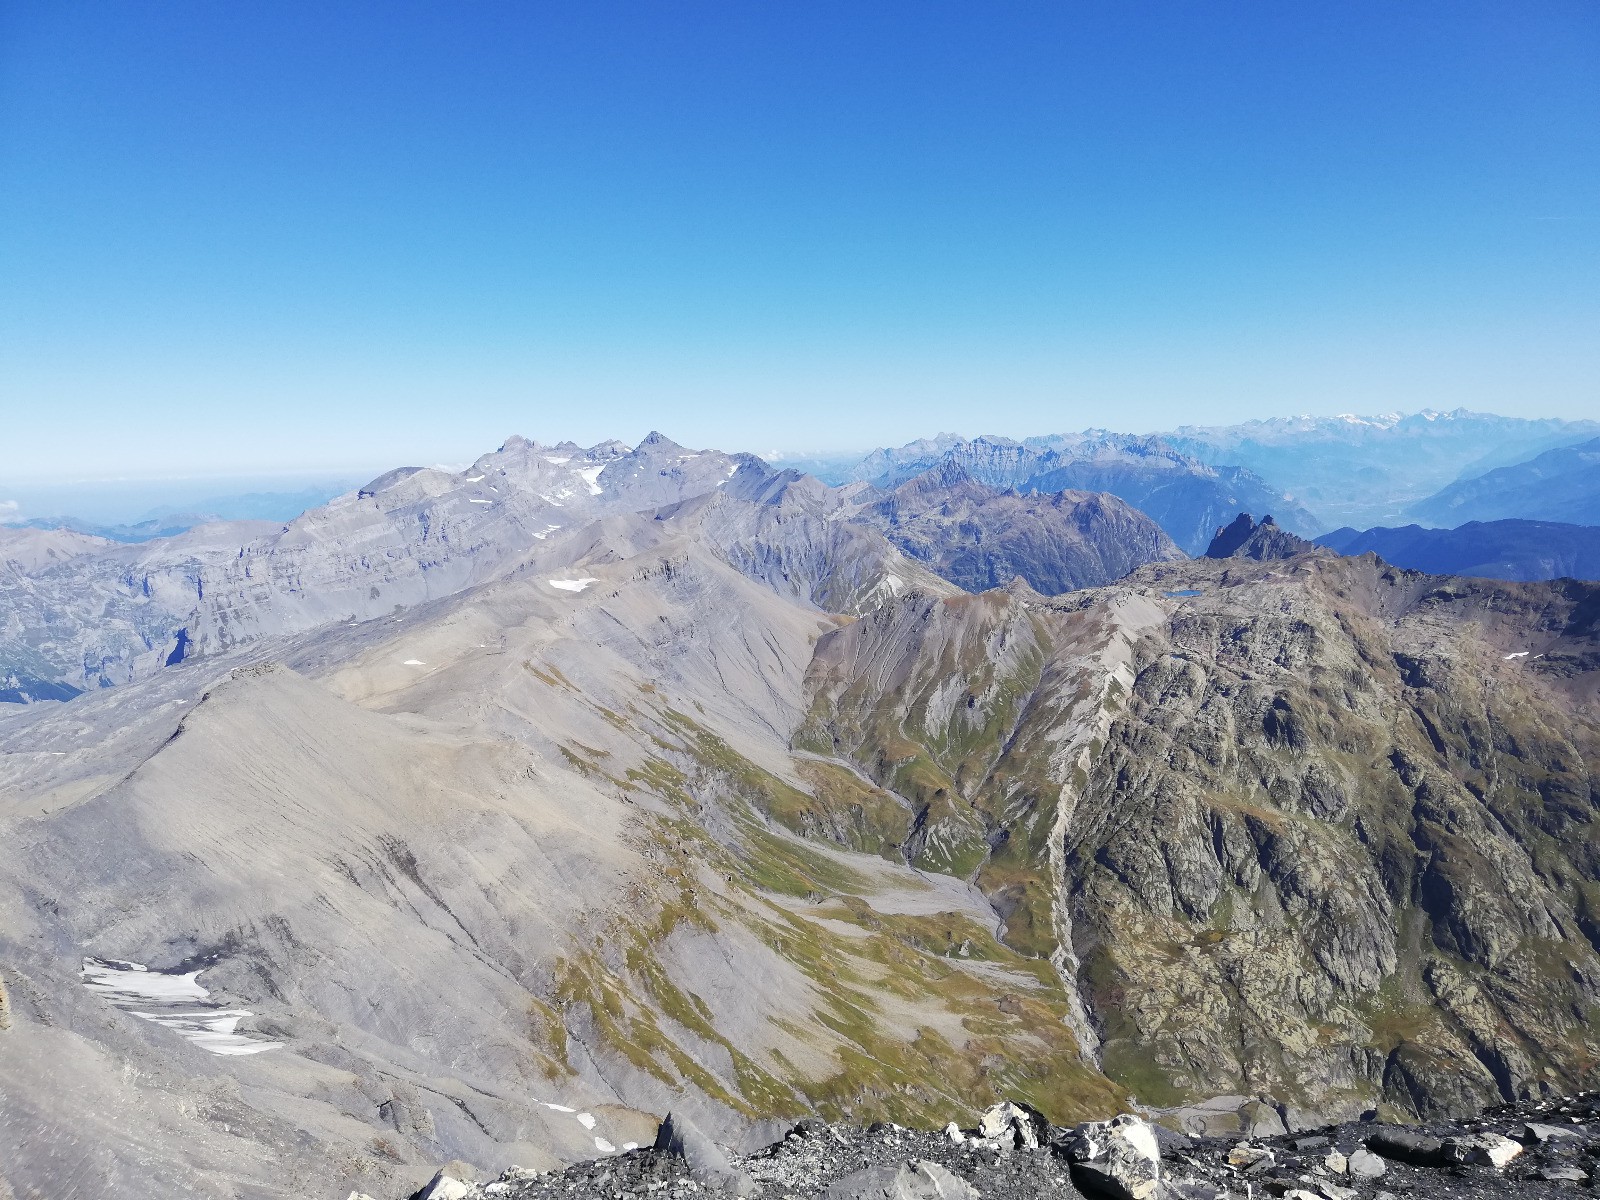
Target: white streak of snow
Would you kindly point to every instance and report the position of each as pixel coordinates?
(1518, 654)
(573, 585)
(413, 662)
(128, 983)
(475, 500)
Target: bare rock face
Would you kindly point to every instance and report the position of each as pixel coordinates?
(1354, 754)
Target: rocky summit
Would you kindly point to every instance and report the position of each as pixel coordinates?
(1533, 1149)
(493, 816)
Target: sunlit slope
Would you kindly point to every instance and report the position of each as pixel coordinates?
(518, 852)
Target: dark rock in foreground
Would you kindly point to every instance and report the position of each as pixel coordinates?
(1542, 1148)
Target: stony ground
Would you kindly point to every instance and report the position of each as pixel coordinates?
(1333, 1163)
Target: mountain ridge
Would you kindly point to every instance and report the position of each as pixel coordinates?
(723, 804)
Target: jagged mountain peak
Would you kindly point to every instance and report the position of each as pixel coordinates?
(656, 440)
(1247, 538)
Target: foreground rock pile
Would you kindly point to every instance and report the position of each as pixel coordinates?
(1533, 1148)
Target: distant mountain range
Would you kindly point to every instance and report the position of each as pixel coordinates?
(94, 612)
(1363, 471)
(1189, 499)
(1557, 485)
(1522, 550)
(980, 537)
(168, 520)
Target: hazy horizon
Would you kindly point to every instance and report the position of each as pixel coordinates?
(130, 497)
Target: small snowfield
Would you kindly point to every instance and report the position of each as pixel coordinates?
(174, 1001)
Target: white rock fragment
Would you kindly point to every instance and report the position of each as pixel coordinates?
(443, 1187)
(1365, 1164)
(1492, 1149)
(1119, 1158)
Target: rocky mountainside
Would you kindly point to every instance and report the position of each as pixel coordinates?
(494, 816)
(1186, 497)
(1283, 829)
(1364, 471)
(980, 537)
(1559, 485)
(1522, 550)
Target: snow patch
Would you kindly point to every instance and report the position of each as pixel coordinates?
(475, 500)
(213, 1028)
(589, 475)
(559, 1107)
(573, 585)
(604, 1146)
(586, 1120)
(413, 662)
(475, 479)
(1518, 654)
(546, 532)
(558, 461)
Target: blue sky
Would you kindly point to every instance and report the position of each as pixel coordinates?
(253, 237)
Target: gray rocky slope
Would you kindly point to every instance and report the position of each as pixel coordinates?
(723, 805)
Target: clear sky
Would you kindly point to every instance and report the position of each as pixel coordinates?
(258, 236)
